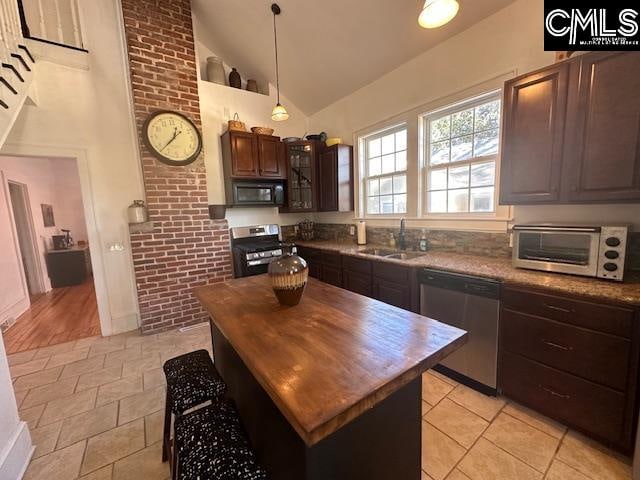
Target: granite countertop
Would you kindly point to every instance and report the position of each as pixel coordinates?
(501, 269)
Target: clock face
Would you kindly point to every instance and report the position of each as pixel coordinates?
(172, 138)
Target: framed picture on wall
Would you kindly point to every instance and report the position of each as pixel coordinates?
(47, 215)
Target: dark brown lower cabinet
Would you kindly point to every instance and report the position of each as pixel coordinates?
(357, 283)
(573, 360)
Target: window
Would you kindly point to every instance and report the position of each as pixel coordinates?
(461, 147)
(385, 166)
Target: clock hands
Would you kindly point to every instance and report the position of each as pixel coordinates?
(175, 134)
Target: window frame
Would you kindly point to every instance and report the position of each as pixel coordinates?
(363, 142)
(424, 152)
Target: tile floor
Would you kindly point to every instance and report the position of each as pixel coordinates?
(95, 411)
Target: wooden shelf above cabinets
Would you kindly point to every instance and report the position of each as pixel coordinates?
(570, 132)
(250, 156)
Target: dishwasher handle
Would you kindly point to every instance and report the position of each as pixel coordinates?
(468, 284)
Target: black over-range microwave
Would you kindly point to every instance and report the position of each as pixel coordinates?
(247, 193)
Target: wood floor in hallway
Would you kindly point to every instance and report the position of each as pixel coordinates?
(59, 316)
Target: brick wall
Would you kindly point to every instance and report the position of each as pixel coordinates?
(184, 248)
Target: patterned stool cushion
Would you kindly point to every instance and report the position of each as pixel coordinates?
(211, 445)
(191, 380)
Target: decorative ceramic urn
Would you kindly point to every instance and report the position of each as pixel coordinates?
(288, 276)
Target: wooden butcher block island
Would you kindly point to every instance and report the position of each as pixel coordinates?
(330, 388)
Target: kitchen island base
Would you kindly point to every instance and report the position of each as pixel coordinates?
(384, 443)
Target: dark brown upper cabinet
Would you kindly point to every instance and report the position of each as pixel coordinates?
(602, 154)
(251, 156)
(533, 131)
(335, 179)
(302, 190)
(571, 132)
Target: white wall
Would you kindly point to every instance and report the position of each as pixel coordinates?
(51, 181)
(511, 39)
(84, 110)
(15, 441)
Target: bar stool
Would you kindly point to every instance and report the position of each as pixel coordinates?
(210, 444)
(191, 381)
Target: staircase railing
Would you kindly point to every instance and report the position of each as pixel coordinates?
(52, 21)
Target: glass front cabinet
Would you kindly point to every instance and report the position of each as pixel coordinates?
(301, 178)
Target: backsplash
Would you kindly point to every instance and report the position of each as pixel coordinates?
(477, 243)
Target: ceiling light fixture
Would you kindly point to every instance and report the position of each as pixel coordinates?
(436, 13)
(279, 113)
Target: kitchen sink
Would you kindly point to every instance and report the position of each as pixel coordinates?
(379, 252)
(404, 255)
(387, 253)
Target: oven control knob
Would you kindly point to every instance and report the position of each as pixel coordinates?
(612, 241)
(610, 267)
(261, 254)
(611, 254)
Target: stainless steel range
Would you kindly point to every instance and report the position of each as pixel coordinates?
(254, 248)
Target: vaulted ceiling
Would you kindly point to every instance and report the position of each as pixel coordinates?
(329, 48)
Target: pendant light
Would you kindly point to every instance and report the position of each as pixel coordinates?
(436, 13)
(279, 113)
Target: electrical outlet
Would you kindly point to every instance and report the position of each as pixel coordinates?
(352, 230)
(115, 247)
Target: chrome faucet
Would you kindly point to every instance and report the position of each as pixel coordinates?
(402, 242)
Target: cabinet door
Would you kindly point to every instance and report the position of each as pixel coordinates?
(270, 158)
(357, 282)
(331, 275)
(603, 128)
(328, 180)
(301, 176)
(395, 294)
(532, 137)
(243, 154)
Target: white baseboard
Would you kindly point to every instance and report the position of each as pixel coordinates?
(15, 456)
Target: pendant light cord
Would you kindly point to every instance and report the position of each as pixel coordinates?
(275, 38)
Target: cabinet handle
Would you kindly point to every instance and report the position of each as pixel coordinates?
(556, 345)
(558, 309)
(554, 393)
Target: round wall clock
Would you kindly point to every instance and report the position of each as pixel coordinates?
(172, 138)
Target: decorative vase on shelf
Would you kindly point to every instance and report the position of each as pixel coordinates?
(234, 78)
(137, 212)
(288, 275)
(215, 71)
(252, 85)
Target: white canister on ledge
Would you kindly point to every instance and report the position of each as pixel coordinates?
(215, 71)
(362, 232)
(137, 212)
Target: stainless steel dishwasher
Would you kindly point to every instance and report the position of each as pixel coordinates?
(473, 304)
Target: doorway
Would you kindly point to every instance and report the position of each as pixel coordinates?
(25, 232)
(51, 260)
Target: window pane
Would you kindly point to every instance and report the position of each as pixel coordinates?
(401, 161)
(483, 174)
(461, 148)
(488, 116)
(401, 140)
(388, 144)
(482, 199)
(374, 188)
(386, 186)
(458, 200)
(459, 177)
(373, 205)
(440, 129)
(485, 143)
(438, 179)
(400, 184)
(437, 202)
(388, 163)
(462, 123)
(374, 167)
(374, 148)
(400, 203)
(439, 153)
(386, 204)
